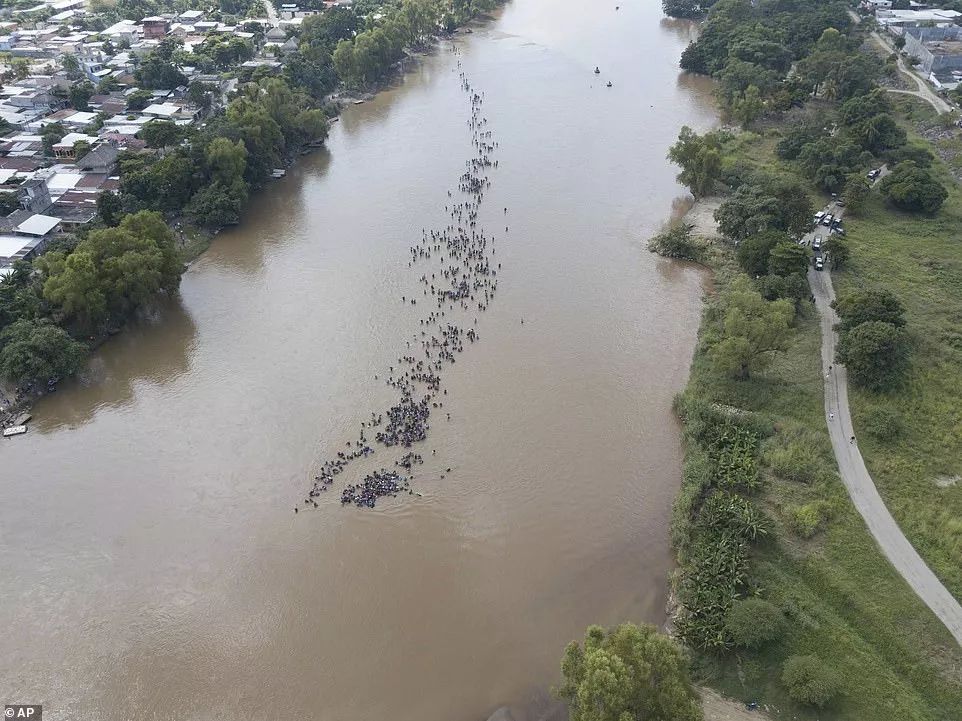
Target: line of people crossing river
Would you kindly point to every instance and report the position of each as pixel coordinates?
(462, 284)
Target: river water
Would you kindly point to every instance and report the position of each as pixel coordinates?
(152, 567)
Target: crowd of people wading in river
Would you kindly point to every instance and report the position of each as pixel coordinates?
(461, 285)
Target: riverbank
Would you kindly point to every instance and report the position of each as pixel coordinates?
(818, 565)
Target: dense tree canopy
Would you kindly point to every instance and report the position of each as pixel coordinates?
(875, 354)
(630, 673)
(767, 204)
(910, 187)
(113, 271)
(862, 305)
(753, 329)
(37, 350)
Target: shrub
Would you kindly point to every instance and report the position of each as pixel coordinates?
(792, 462)
(913, 188)
(676, 242)
(883, 424)
(809, 680)
(807, 520)
(753, 622)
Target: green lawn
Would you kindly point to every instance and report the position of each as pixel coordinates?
(920, 260)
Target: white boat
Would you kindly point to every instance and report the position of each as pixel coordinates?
(14, 431)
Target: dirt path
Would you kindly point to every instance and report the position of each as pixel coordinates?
(923, 91)
(719, 708)
(857, 480)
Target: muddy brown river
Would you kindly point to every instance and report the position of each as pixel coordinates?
(151, 564)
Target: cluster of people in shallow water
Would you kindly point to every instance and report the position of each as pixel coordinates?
(375, 485)
(463, 283)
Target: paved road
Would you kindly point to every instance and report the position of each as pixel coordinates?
(861, 489)
(923, 90)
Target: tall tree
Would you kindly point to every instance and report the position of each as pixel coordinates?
(752, 331)
(700, 159)
(630, 673)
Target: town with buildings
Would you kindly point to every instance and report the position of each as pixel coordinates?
(71, 103)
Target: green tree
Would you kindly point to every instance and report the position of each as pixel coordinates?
(863, 305)
(855, 192)
(752, 253)
(37, 351)
(747, 108)
(809, 680)
(699, 157)
(157, 71)
(139, 99)
(753, 329)
(631, 673)
(8, 203)
(226, 160)
(80, 149)
(875, 354)
(80, 95)
(218, 204)
(113, 271)
(109, 208)
(788, 258)
(161, 133)
(753, 622)
(838, 251)
(910, 187)
(51, 134)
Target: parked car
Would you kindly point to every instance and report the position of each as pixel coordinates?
(819, 264)
(827, 220)
(873, 174)
(817, 243)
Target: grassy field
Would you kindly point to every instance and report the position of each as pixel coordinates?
(917, 467)
(843, 600)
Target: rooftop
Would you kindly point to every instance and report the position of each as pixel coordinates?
(38, 225)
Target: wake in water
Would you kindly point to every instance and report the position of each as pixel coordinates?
(465, 276)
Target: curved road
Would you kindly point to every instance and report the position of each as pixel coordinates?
(861, 489)
(923, 91)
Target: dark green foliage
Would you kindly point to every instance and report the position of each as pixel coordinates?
(788, 258)
(770, 205)
(676, 242)
(139, 99)
(714, 524)
(79, 94)
(109, 208)
(112, 272)
(753, 622)
(37, 351)
(217, 204)
(875, 354)
(686, 8)
(752, 253)
(810, 681)
(161, 133)
(8, 203)
(911, 187)
(864, 305)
